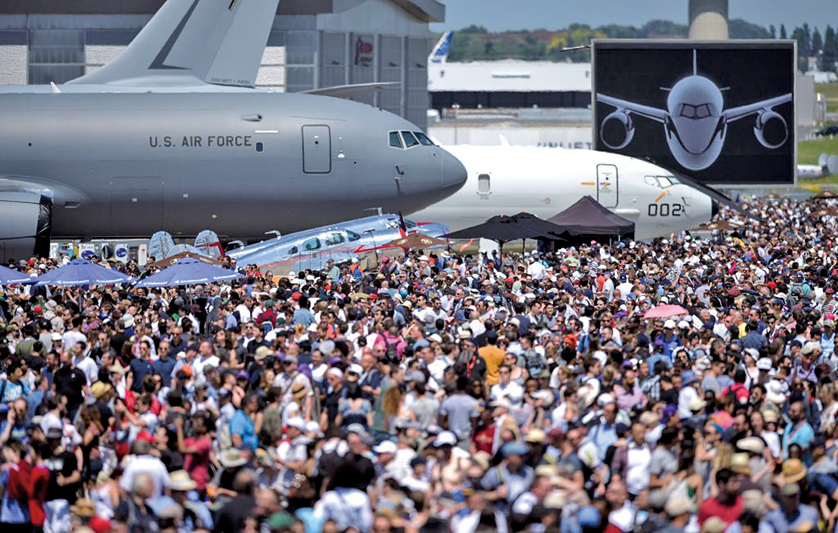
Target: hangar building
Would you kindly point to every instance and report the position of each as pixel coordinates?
(313, 44)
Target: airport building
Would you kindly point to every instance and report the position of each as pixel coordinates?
(313, 44)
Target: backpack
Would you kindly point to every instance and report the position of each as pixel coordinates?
(535, 363)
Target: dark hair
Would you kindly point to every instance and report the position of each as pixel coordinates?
(724, 475)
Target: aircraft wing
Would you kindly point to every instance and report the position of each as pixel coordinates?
(630, 107)
(735, 113)
(191, 42)
(349, 90)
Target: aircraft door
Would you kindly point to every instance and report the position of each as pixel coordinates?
(317, 150)
(607, 185)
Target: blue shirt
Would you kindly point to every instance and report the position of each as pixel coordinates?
(303, 316)
(164, 368)
(241, 425)
(603, 435)
(801, 434)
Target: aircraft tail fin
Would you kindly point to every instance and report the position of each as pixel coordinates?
(160, 245)
(208, 243)
(440, 52)
(194, 41)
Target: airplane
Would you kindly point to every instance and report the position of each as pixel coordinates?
(694, 121)
(440, 52)
(173, 135)
(545, 181)
(312, 249)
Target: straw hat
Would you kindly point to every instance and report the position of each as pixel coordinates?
(793, 471)
(180, 481)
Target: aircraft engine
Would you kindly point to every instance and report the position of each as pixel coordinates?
(771, 129)
(25, 224)
(617, 130)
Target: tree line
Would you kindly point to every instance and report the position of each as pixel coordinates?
(476, 43)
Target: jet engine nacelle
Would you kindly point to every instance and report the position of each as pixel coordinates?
(617, 130)
(25, 225)
(771, 129)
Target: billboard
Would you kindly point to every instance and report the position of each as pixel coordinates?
(720, 112)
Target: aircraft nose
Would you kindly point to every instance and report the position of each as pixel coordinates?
(454, 173)
(715, 204)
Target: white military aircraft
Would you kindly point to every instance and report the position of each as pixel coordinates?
(504, 180)
(694, 121)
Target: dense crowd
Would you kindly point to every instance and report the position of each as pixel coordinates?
(439, 392)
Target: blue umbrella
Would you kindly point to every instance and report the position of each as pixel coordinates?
(82, 272)
(188, 271)
(9, 276)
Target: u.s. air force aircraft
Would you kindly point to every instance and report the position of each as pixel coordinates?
(172, 135)
(694, 121)
(545, 181)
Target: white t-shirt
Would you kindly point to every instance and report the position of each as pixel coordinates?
(512, 392)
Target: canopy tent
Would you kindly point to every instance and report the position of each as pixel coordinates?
(163, 263)
(509, 228)
(10, 276)
(415, 241)
(587, 219)
(189, 271)
(825, 195)
(82, 272)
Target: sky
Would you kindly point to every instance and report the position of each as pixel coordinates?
(499, 15)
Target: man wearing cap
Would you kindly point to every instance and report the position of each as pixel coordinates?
(792, 516)
(688, 394)
(293, 383)
(510, 479)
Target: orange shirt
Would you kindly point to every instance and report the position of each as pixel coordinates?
(493, 357)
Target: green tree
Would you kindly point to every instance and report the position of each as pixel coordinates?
(802, 49)
(474, 29)
(740, 29)
(783, 31)
(773, 31)
(817, 42)
(830, 50)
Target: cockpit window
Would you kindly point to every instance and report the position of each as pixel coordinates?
(424, 139)
(352, 236)
(334, 239)
(661, 181)
(409, 139)
(695, 112)
(395, 140)
(311, 244)
(293, 251)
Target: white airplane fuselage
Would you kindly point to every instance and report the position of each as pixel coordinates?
(505, 180)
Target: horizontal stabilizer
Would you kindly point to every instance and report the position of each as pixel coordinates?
(194, 42)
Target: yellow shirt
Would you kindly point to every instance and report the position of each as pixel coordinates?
(493, 357)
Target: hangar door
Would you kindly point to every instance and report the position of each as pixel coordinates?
(317, 150)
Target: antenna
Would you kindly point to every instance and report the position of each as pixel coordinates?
(377, 209)
(695, 62)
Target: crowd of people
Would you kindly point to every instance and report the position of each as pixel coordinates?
(439, 392)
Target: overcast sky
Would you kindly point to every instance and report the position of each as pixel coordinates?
(498, 15)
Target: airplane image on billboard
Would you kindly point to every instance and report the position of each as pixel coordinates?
(694, 114)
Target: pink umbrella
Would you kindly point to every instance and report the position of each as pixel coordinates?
(665, 311)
